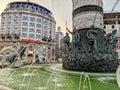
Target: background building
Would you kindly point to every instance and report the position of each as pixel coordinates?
(112, 22)
(59, 37)
(27, 22)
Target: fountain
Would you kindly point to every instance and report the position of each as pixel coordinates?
(27, 73)
(16, 57)
(29, 78)
(90, 49)
(87, 52)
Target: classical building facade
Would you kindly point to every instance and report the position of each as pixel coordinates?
(111, 21)
(26, 22)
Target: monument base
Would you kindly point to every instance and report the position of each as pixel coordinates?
(92, 61)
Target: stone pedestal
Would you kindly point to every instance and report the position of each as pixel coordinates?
(93, 62)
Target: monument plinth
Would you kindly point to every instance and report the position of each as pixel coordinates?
(90, 49)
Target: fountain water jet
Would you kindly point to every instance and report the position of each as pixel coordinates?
(86, 82)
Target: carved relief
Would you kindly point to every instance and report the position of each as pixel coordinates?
(86, 20)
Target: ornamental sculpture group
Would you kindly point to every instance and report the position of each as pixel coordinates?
(90, 50)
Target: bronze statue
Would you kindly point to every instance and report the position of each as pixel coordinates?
(75, 38)
(66, 39)
(91, 35)
(110, 41)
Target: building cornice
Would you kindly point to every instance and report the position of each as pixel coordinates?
(28, 12)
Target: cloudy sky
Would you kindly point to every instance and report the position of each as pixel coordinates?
(62, 9)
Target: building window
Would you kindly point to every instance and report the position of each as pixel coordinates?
(119, 22)
(38, 36)
(45, 22)
(38, 20)
(31, 35)
(2, 28)
(9, 17)
(50, 32)
(15, 27)
(50, 23)
(32, 19)
(24, 34)
(45, 27)
(31, 30)
(25, 18)
(9, 22)
(24, 29)
(16, 16)
(3, 32)
(104, 27)
(38, 31)
(45, 31)
(3, 17)
(38, 26)
(3, 23)
(16, 33)
(25, 23)
(16, 22)
(23, 5)
(8, 27)
(32, 24)
(113, 26)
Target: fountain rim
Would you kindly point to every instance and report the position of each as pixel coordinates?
(57, 66)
